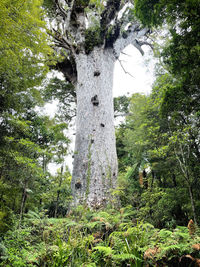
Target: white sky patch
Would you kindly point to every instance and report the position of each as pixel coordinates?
(140, 68)
(51, 108)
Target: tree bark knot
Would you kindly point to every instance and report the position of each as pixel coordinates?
(97, 73)
(95, 100)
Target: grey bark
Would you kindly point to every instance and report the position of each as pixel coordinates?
(95, 158)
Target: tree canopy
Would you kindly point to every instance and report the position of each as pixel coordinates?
(79, 26)
(24, 44)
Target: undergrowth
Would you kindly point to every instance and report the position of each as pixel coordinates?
(88, 239)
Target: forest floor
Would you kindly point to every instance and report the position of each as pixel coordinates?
(104, 238)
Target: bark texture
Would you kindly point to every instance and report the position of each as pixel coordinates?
(95, 158)
(91, 37)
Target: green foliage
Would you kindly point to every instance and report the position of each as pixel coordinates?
(57, 195)
(25, 138)
(98, 4)
(121, 241)
(158, 149)
(49, 6)
(181, 53)
(93, 38)
(155, 12)
(157, 144)
(26, 148)
(121, 105)
(63, 92)
(6, 219)
(23, 45)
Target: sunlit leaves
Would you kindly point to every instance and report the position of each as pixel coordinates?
(23, 43)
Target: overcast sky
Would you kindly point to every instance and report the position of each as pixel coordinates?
(140, 69)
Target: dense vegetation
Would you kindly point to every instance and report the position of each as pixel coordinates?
(158, 151)
(104, 238)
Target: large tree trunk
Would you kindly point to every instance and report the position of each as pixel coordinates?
(93, 43)
(95, 159)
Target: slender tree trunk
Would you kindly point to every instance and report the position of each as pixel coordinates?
(192, 203)
(23, 201)
(2, 168)
(57, 200)
(1, 173)
(152, 182)
(58, 192)
(1, 196)
(174, 180)
(44, 164)
(95, 159)
(14, 203)
(185, 170)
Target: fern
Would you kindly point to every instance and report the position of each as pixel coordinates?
(71, 224)
(164, 234)
(126, 256)
(32, 215)
(94, 225)
(85, 264)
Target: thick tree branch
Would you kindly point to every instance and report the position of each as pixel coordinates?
(123, 115)
(109, 13)
(60, 39)
(113, 19)
(69, 13)
(132, 36)
(68, 68)
(61, 10)
(146, 43)
(71, 23)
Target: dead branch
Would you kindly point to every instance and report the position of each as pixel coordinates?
(126, 72)
(146, 43)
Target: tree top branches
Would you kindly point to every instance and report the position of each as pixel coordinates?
(79, 26)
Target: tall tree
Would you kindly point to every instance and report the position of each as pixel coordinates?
(24, 50)
(164, 142)
(181, 55)
(180, 86)
(91, 35)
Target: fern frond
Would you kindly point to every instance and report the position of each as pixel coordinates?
(107, 251)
